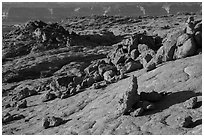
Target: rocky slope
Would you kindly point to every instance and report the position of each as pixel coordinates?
(140, 76)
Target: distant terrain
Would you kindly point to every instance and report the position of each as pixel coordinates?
(22, 12)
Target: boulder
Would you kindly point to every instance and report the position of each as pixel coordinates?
(97, 77)
(51, 121)
(105, 67)
(129, 97)
(150, 65)
(48, 96)
(190, 103)
(159, 57)
(108, 75)
(87, 82)
(132, 66)
(64, 80)
(73, 91)
(147, 57)
(134, 54)
(25, 92)
(182, 39)
(188, 49)
(198, 27)
(198, 39)
(150, 96)
(77, 80)
(142, 48)
(169, 44)
(22, 104)
(7, 117)
(179, 120)
(131, 43)
(147, 40)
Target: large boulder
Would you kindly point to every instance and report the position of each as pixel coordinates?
(188, 49)
(170, 45)
(128, 98)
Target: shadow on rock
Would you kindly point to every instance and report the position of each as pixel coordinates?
(172, 99)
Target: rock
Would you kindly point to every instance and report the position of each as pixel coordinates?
(25, 92)
(151, 96)
(179, 120)
(129, 97)
(97, 77)
(65, 94)
(198, 27)
(77, 80)
(190, 103)
(108, 75)
(190, 25)
(78, 88)
(7, 118)
(146, 105)
(132, 66)
(51, 121)
(64, 80)
(150, 65)
(72, 91)
(105, 67)
(159, 57)
(58, 93)
(99, 85)
(87, 82)
(147, 56)
(147, 40)
(185, 121)
(91, 68)
(170, 45)
(142, 48)
(137, 112)
(117, 56)
(48, 96)
(134, 54)
(188, 49)
(7, 106)
(198, 39)
(181, 39)
(131, 43)
(22, 104)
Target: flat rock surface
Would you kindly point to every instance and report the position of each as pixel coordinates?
(94, 111)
